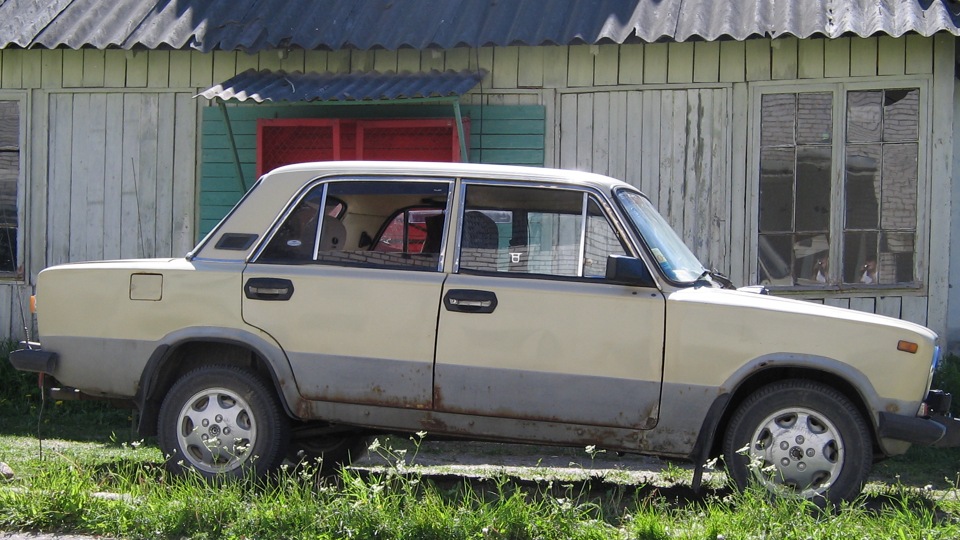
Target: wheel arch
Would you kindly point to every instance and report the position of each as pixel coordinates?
(844, 379)
(188, 349)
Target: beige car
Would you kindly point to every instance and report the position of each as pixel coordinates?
(488, 302)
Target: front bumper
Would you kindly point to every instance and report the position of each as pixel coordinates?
(939, 429)
(31, 357)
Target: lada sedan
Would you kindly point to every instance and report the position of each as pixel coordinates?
(486, 302)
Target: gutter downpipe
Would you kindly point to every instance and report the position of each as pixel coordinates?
(463, 143)
(233, 146)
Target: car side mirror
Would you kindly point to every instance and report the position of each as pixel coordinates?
(629, 271)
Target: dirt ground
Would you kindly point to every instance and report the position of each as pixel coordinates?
(485, 459)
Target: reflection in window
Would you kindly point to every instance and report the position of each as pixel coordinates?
(880, 186)
(9, 175)
(376, 224)
(875, 201)
(535, 231)
(601, 241)
(796, 158)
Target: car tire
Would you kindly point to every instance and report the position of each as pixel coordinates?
(799, 438)
(222, 421)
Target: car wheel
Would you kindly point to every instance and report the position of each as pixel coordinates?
(329, 451)
(222, 420)
(799, 438)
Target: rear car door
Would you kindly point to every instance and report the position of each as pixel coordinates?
(351, 295)
(531, 329)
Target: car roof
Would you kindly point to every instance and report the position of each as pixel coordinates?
(459, 170)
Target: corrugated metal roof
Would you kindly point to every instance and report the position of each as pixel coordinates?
(275, 86)
(254, 25)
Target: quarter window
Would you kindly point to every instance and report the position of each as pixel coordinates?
(866, 225)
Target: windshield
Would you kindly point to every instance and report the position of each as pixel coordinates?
(676, 260)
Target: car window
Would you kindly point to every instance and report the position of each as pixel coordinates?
(413, 230)
(601, 241)
(371, 223)
(535, 231)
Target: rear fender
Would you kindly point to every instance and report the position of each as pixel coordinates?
(158, 373)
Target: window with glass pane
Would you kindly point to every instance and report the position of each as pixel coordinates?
(880, 186)
(535, 231)
(9, 175)
(873, 233)
(601, 241)
(796, 157)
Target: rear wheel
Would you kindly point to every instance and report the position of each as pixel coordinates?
(222, 420)
(799, 438)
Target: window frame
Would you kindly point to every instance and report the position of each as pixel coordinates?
(22, 267)
(587, 193)
(324, 184)
(840, 91)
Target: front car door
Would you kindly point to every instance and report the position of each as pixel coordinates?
(349, 283)
(530, 328)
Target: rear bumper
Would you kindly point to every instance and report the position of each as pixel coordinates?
(31, 357)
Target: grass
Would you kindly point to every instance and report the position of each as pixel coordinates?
(107, 483)
(94, 477)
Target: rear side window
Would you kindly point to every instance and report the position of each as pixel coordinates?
(521, 230)
(369, 223)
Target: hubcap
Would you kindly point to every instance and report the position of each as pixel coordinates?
(796, 451)
(216, 430)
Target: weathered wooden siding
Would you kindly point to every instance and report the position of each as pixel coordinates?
(120, 174)
(672, 144)
(685, 97)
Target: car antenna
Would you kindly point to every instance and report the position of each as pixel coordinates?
(136, 194)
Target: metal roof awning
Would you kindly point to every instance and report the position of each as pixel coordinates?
(346, 88)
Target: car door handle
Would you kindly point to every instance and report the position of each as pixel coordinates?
(470, 301)
(268, 289)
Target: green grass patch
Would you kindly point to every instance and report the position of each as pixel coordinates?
(90, 475)
(104, 484)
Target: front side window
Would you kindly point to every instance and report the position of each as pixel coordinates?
(520, 230)
(368, 223)
(9, 179)
(818, 228)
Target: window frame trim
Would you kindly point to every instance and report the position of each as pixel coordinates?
(585, 191)
(840, 89)
(23, 254)
(324, 182)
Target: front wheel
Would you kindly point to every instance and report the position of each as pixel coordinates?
(222, 420)
(799, 438)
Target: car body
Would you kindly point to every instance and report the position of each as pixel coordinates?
(490, 302)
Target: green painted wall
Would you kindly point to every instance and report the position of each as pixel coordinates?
(511, 135)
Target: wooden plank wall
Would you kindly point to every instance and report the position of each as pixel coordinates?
(677, 155)
(622, 97)
(121, 188)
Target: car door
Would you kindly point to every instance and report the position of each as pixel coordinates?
(351, 302)
(531, 329)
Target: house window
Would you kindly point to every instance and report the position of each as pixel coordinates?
(9, 179)
(838, 187)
